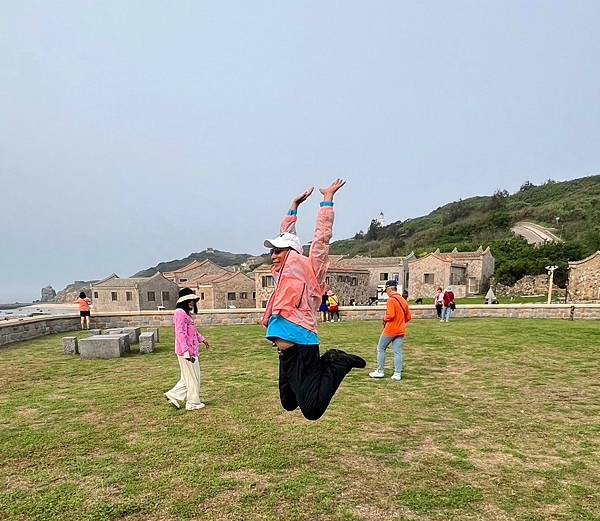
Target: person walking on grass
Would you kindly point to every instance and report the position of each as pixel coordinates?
(187, 348)
(306, 380)
(394, 329)
(448, 304)
(438, 300)
(84, 310)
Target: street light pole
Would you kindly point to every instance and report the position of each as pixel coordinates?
(550, 281)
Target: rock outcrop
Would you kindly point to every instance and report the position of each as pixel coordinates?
(48, 294)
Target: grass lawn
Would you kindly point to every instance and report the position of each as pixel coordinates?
(493, 420)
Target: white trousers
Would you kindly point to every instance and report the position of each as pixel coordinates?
(188, 386)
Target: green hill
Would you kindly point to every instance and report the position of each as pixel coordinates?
(486, 221)
(221, 258)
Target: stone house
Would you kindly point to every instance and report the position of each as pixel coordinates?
(217, 287)
(468, 273)
(382, 269)
(584, 279)
(349, 283)
(134, 294)
(224, 291)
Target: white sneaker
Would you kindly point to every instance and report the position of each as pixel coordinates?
(189, 407)
(397, 376)
(173, 401)
(377, 374)
(441, 319)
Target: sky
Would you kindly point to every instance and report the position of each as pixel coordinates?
(138, 132)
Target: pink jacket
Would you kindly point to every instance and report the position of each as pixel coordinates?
(187, 337)
(301, 283)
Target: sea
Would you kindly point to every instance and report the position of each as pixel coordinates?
(32, 310)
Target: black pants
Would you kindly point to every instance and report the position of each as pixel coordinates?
(309, 381)
(438, 308)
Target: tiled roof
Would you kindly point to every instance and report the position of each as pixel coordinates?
(118, 282)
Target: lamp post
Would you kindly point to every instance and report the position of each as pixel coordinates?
(550, 281)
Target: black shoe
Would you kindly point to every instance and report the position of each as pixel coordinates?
(341, 356)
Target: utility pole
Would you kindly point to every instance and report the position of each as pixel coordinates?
(550, 281)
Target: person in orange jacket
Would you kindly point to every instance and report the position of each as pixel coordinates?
(394, 328)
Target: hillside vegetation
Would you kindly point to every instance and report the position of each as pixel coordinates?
(486, 221)
(221, 258)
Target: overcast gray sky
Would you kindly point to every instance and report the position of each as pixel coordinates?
(138, 132)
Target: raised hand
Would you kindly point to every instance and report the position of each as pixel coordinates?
(330, 191)
(297, 201)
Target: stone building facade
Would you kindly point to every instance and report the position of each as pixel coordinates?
(224, 291)
(382, 269)
(134, 294)
(217, 287)
(350, 284)
(467, 273)
(584, 279)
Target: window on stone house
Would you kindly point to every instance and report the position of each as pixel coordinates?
(231, 296)
(182, 280)
(383, 276)
(254, 295)
(202, 296)
(326, 280)
(113, 296)
(354, 281)
(95, 294)
(427, 278)
(340, 278)
(395, 276)
(151, 296)
(267, 281)
(243, 295)
(128, 296)
(166, 296)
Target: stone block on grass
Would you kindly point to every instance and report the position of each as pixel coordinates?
(94, 332)
(147, 342)
(70, 345)
(156, 334)
(104, 346)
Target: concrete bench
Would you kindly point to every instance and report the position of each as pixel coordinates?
(70, 346)
(104, 346)
(147, 342)
(95, 332)
(133, 332)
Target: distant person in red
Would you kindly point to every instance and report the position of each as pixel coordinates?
(84, 310)
(449, 306)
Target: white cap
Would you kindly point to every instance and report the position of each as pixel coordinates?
(285, 240)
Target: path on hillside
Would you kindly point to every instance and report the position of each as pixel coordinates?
(534, 233)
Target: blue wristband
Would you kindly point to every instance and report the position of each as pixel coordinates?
(292, 212)
(326, 203)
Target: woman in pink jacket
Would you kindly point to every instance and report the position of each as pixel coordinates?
(187, 348)
(306, 379)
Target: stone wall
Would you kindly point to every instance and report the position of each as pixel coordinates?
(349, 285)
(528, 286)
(17, 330)
(584, 279)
